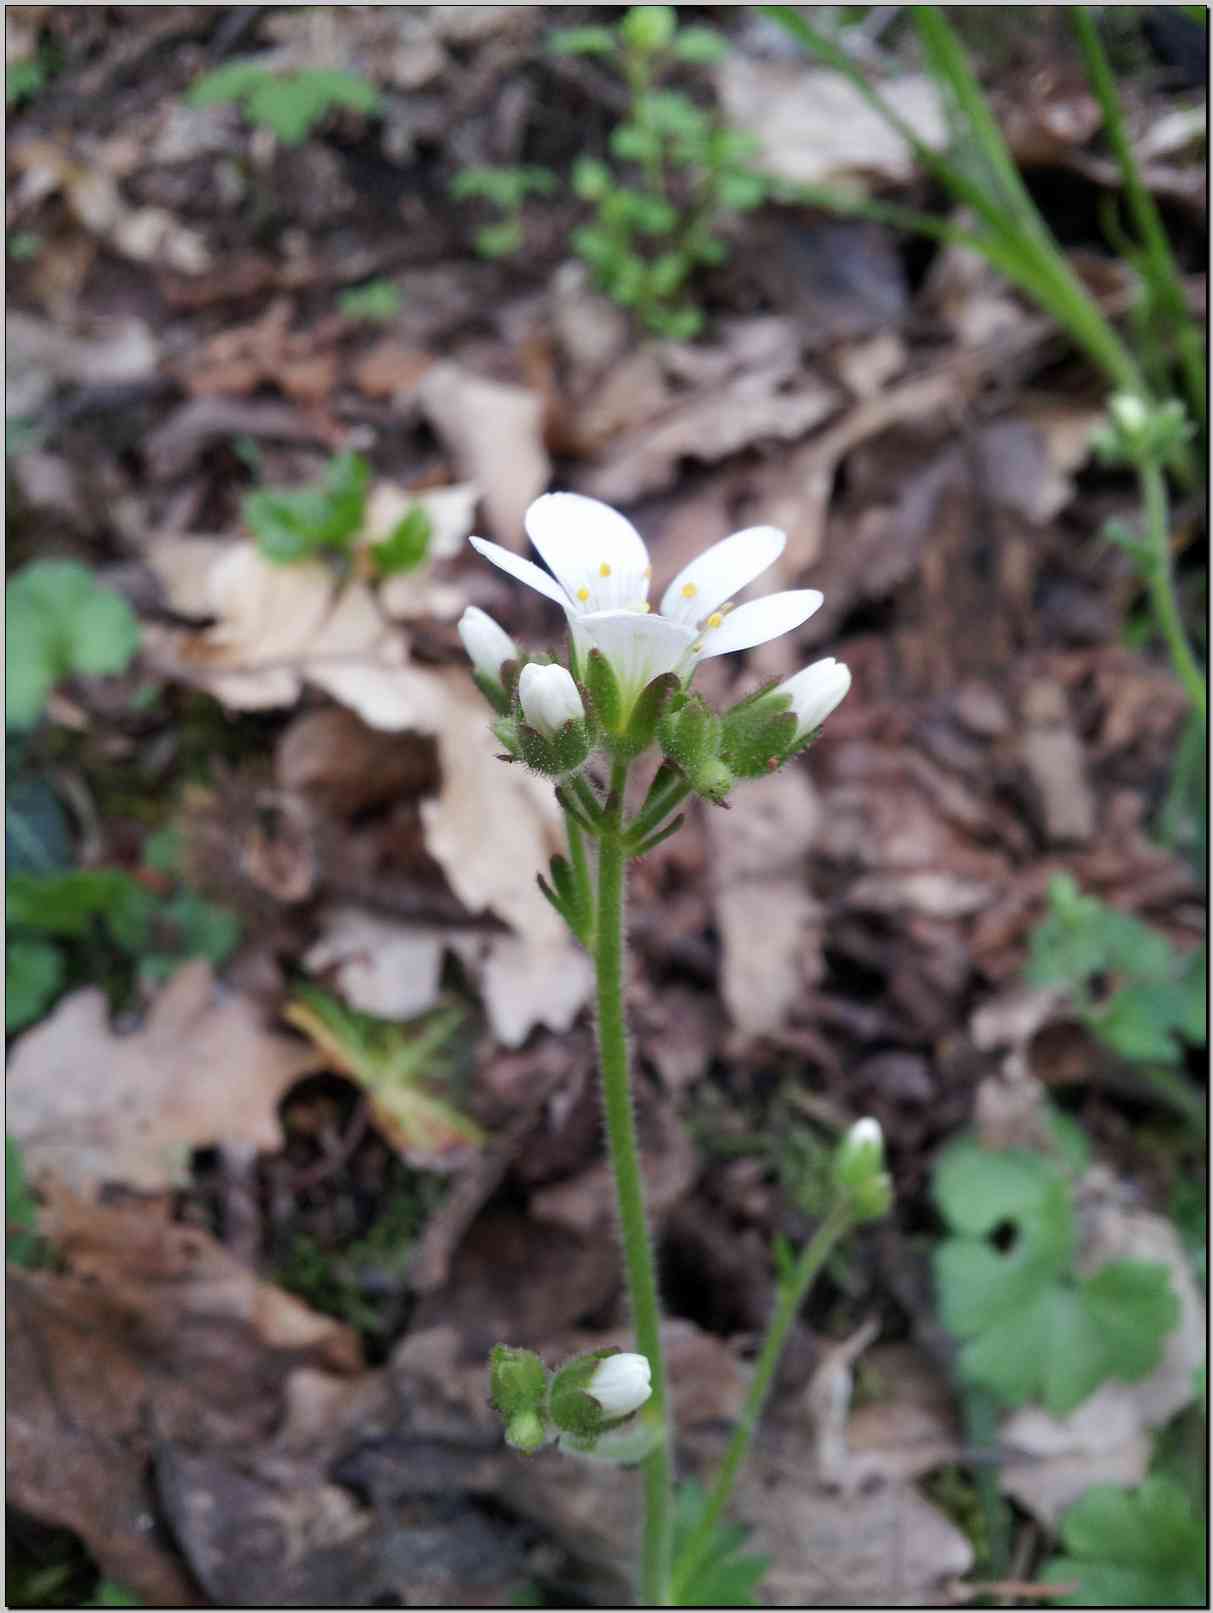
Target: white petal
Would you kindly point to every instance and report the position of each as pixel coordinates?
(720, 572)
(639, 648)
(597, 554)
(816, 692)
(524, 570)
(760, 620)
(621, 1384)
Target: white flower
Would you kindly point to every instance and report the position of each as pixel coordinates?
(549, 698)
(621, 1384)
(600, 576)
(866, 1134)
(815, 693)
(488, 645)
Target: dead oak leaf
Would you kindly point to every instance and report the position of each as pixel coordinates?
(91, 1107)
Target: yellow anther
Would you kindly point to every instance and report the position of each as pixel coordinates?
(583, 594)
(715, 619)
(689, 590)
(644, 607)
(648, 571)
(604, 570)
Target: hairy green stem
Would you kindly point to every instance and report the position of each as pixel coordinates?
(582, 883)
(654, 810)
(629, 1187)
(791, 1296)
(1161, 580)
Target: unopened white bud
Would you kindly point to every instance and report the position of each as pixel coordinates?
(866, 1134)
(815, 693)
(1129, 413)
(549, 698)
(621, 1384)
(489, 646)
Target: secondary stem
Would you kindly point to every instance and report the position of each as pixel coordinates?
(629, 1186)
(791, 1296)
(1162, 587)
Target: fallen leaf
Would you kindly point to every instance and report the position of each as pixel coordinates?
(757, 405)
(152, 1334)
(91, 1107)
(495, 433)
(813, 127)
(771, 926)
(380, 967)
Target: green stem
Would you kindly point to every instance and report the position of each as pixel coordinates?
(1161, 579)
(629, 1186)
(582, 884)
(791, 1296)
(1161, 267)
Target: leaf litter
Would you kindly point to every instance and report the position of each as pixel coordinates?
(859, 943)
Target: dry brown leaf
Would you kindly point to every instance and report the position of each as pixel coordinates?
(815, 128)
(381, 967)
(770, 924)
(495, 433)
(153, 1334)
(91, 1107)
(752, 407)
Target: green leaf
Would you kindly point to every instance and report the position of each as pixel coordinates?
(582, 42)
(499, 240)
(1126, 1548)
(632, 142)
(293, 525)
(406, 546)
(703, 45)
(591, 179)
(23, 79)
(231, 82)
(741, 191)
(1032, 1331)
(723, 1574)
(22, 1245)
(33, 976)
(292, 104)
(647, 29)
(204, 929)
(37, 839)
(59, 621)
(378, 301)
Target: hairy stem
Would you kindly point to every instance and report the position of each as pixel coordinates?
(791, 1296)
(629, 1186)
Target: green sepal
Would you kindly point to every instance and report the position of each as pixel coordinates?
(563, 753)
(518, 1381)
(505, 730)
(573, 1409)
(759, 735)
(646, 714)
(713, 781)
(493, 693)
(655, 840)
(602, 686)
(691, 736)
(527, 1432)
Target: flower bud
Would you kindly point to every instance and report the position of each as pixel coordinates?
(490, 648)
(815, 693)
(549, 698)
(859, 1174)
(518, 1388)
(648, 28)
(621, 1384)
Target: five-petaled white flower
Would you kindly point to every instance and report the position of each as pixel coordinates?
(600, 575)
(549, 698)
(815, 693)
(621, 1383)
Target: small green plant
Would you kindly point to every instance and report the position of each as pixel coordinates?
(22, 245)
(59, 622)
(23, 79)
(293, 524)
(290, 104)
(23, 1246)
(1030, 1328)
(1132, 1548)
(377, 302)
(506, 189)
(676, 173)
(347, 1283)
(1153, 997)
(68, 925)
